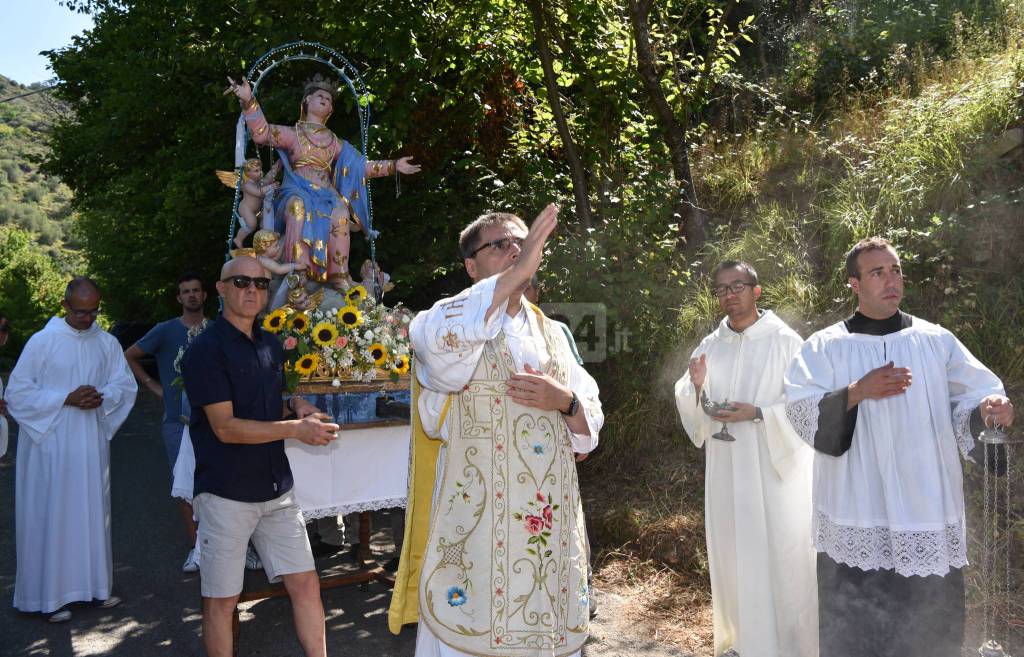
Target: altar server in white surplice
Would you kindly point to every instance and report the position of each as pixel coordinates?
(504, 570)
(757, 501)
(886, 399)
(69, 392)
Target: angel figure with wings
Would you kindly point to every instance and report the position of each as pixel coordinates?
(255, 187)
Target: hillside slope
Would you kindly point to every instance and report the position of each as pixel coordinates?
(29, 199)
(937, 169)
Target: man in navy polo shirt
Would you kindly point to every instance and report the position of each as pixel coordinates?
(234, 377)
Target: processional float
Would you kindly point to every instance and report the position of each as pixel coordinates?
(346, 352)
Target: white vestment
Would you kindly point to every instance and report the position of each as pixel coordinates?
(62, 489)
(895, 499)
(449, 340)
(757, 501)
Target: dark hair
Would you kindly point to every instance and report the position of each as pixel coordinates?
(5, 326)
(77, 283)
(867, 244)
(190, 276)
(744, 267)
(471, 234)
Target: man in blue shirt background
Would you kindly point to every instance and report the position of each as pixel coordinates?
(164, 341)
(234, 377)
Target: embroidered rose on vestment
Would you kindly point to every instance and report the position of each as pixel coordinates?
(534, 525)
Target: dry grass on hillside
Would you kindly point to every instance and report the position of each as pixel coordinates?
(648, 536)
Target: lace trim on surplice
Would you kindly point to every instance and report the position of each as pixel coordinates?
(962, 429)
(907, 552)
(803, 415)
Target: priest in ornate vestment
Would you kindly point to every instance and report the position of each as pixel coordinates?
(504, 567)
(757, 503)
(886, 399)
(69, 392)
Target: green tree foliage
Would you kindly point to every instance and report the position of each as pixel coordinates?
(31, 286)
(30, 199)
(459, 85)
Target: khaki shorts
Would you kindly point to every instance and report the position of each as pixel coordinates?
(225, 528)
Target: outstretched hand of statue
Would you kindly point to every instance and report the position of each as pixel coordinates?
(405, 166)
(240, 89)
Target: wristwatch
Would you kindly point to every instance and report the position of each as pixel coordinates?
(574, 406)
(758, 415)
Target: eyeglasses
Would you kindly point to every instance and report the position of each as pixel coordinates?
(735, 288)
(83, 314)
(503, 244)
(243, 282)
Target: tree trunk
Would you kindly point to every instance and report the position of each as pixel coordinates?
(688, 214)
(580, 187)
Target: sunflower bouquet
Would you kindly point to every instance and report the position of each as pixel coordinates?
(360, 341)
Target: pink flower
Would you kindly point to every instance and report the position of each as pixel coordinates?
(548, 516)
(534, 525)
(403, 333)
(540, 497)
(341, 341)
(290, 342)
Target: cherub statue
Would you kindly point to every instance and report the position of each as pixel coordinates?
(323, 194)
(267, 245)
(376, 285)
(255, 186)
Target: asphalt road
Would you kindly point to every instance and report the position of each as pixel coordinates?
(161, 610)
(160, 615)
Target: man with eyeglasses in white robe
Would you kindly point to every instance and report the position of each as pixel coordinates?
(69, 393)
(504, 572)
(757, 486)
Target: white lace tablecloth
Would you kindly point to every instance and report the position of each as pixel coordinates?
(363, 470)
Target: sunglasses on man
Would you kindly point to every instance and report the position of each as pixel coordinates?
(243, 282)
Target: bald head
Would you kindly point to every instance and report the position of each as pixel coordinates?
(243, 286)
(81, 302)
(242, 266)
(81, 286)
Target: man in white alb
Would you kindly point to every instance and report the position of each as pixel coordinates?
(69, 393)
(505, 566)
(757, 501)
(886, 399)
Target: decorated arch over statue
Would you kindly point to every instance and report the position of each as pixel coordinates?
(323, 195)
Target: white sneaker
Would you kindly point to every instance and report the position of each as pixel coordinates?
(61, 616)
(191, 562)
(252, 559)
(110, 602)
